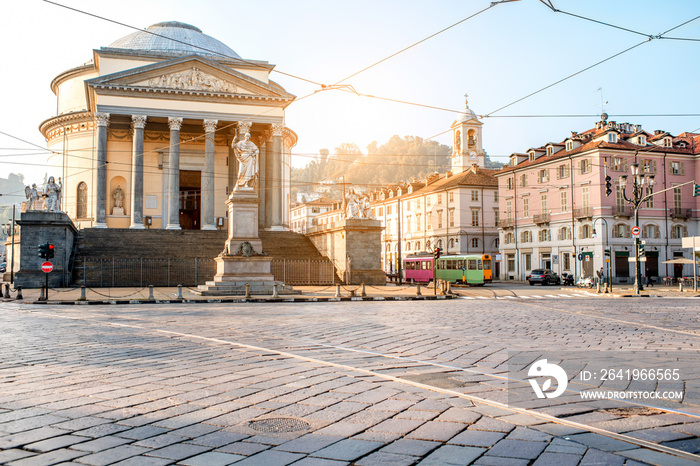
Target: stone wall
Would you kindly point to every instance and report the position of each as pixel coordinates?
(354, 246)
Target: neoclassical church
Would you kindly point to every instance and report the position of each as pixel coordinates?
(146, 128)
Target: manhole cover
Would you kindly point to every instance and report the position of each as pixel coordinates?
(279, 424)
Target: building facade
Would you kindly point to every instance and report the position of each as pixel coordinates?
(304, 215)
(145, 131)
(555, 212)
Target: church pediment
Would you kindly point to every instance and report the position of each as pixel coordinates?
(192, 74)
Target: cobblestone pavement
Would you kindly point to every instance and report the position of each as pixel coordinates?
(333, 383)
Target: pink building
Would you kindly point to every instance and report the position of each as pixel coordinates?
(555, 212)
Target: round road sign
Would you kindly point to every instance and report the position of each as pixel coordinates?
(46, 267)
(635, 231)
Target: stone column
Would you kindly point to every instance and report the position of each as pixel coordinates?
(207, 220)
(102, 120)
(174, 167)
(268, 184)
(277, 182)
(262, 180)
(138, 122)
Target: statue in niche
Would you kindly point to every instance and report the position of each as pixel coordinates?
(33, 196)
(118, 196)
(458, 142)
(52, 193)
(247, 155)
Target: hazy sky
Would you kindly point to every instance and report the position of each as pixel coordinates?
(497, 57)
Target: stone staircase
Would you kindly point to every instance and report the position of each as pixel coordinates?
(122, 243)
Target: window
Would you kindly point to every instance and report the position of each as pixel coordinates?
(677, 168)
(417, 203)
(617, 164)
(544, 235)
(651, 231)
(550, 151)
(439, 198)
(523, 180)
(388, 210)
(531, 156)
(564, 233)
(612, 137)
(642, 140)
(475, 195)
(496, 242)
(439, 216)
(678, 231)
(667, 142)
(417, 245)
(408, 205)
(511, 263)
(649, 166)
(427, 201)
(508, 238)
(452, 196)
(526, 236)
(509, 183)
(527, 258)
(475, 217)
(620, 230)
(408, 246)
(429, 221)
(677, 199)
(315, 210)
(564, 204)
(585, 166)
(649, 202)
(496, 216)
(408, 224)
(509, 209)
(562, 171)
(543, 175)
(585, 197)
(526, 207)
(451, 215)
(585, 232)
(418, 224)
(569, 145)
(566, 261)
(381, 211)
(543, 203)
(495, 196)
(475, 242)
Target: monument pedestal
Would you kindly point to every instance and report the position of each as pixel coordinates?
(243, 261)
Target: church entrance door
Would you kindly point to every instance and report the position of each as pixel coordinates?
(190, 199)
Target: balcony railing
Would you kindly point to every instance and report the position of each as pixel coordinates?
(683, 214)
(540, 219)
(622, 211)
(506, 223)
(583, 212)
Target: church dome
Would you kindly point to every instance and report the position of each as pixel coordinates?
(467, 114)
(174, 37)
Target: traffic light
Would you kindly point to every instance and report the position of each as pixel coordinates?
(606, 253)
(641, 250)
(437, 253)
(696, 189)
(44, 250)
(50, 251)
(608, 185)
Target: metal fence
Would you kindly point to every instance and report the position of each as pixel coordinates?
(189, 272)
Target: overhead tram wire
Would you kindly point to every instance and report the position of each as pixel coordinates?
(179, 41)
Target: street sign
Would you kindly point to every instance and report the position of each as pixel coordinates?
(46, 267)
(580, 257)
(632, 259)
(643, 259)
(607, 260)
(635, 232)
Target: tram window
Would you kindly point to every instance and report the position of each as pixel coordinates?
(479, 264)
(410, 265)
(487, 264)
(427, 265)
(472, 264)
(460, 264)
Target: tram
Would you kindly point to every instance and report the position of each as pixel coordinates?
(487, 264)
(418, 269)
(466, 269)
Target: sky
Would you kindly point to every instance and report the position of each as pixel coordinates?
(498, 56)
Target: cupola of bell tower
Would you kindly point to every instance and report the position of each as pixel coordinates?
(467, 148)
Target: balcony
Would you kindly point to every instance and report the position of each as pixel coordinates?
(506, 223)
(622, 211)
(678, 213)
(541, 219)
(583, 213)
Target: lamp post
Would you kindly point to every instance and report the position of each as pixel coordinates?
(607, 248)
(636, 199)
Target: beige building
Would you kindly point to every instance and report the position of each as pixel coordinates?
(146, 127)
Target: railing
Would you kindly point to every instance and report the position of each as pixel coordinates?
(142, 272)
(506, 223)
(540, 218)
(583, 212)
(622, 211)
(680, 213)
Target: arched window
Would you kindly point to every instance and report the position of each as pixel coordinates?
(679, 231)
(388, 248)
(564, 233)
(509, 238)
(651, 230)
(417, 245)
(475, 242)
(439, 243)
(408, 246)
(621, 230)
(496, 243)
(526, 236)
(452, 243)
(427, 244)
(81, 196)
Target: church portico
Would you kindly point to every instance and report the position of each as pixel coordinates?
(173, 114)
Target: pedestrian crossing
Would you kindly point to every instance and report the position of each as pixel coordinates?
(532, 296)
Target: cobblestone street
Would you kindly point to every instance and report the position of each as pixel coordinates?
(398, 383)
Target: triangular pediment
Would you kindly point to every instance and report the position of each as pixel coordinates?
(192, 74)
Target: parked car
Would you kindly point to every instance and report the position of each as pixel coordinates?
(543, 276)
(3, 267)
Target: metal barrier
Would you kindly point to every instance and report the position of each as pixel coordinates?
(142, 272)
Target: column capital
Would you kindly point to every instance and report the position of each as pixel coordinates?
(244, 127)
(267, 135)
(175, 123)
(210, 125)
(277, 129)
(138, 121)
(102, 119)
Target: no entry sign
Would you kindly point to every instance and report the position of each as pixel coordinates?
(46, 267)
(635, 232)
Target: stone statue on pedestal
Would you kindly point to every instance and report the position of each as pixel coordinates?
(247, 155)
(352, 209)
(33, 196)
(52, 193)
(118, 196)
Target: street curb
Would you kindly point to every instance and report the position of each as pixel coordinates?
(242, 300)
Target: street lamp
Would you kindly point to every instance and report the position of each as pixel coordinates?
(607, 249)
(636, 199)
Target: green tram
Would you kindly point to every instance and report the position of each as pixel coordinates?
(467, 269)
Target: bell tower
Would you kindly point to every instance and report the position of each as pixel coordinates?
(467, 148)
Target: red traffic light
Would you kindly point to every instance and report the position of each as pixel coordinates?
(50, 251)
